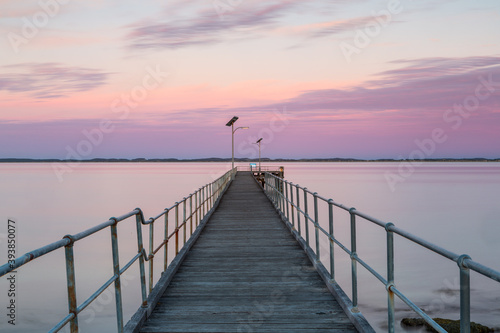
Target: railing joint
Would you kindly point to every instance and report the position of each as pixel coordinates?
(71, 241)
(388, 226)
(114, 219)
(461, 261)
(389, 286)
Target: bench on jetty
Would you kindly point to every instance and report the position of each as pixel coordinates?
(236, 257)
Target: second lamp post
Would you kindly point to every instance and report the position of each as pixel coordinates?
(231, 123)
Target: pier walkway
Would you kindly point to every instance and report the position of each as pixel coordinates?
(246, 273)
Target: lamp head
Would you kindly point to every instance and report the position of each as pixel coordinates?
(259, 140)
(232, 121)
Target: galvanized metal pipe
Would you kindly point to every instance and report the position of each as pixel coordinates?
(71, 284)
(354, 273)
(390, 280)
(190, 215)
(165, 239)
(330, 224)
(298, 209)
(176, 228)
(464, 295)
(282, 196)
(306, 216)
(140, 249)
(184, 229)
(287, 202)
(292, 204)
(195, 212)
(116, 272)
(151, 255)
(316, 225)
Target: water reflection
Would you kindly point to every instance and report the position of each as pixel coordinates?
(451, 204)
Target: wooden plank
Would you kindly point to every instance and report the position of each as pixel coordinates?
(246, 273)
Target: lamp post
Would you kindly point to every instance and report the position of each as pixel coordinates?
(231, 123)
(258, 143)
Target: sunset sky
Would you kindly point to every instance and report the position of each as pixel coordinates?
(325, 78)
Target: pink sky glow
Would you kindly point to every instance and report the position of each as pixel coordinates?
(378, 79)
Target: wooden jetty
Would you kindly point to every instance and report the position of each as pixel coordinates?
(245, 272)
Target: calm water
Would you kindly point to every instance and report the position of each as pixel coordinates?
(453, 205)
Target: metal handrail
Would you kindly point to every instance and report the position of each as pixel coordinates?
(205, 198)
(288, 204)
(256, 168)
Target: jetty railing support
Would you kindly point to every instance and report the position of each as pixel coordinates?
(70, 274)
(390, 279)
(354, 269)
(208, 195)
(274, 190)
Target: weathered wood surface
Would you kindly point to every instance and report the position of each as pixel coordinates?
(246, 273)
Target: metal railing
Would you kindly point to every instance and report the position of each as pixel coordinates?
(192, 214)
(286, 198)
(256, 168)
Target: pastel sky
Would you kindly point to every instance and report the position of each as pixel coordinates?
(324, 78)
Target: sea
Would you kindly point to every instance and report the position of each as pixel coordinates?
(452, 204)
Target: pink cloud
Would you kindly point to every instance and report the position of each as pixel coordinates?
(207, 27)
(49, 80)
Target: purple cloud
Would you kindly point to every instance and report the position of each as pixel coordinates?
(208, 27)
(426, 83)
(49, 80)
(327, 29)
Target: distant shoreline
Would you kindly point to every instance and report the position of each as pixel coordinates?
(239, 160)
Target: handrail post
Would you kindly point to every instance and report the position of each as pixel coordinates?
(205, 199)
(176, 228)
(390, 279)
(116, 272)
(277, 199)
(464, 294)
(184, 221)
(354, 273)
(198, 205)
(211, 192)
(287, 203)
(306, 216)
(71, 283)
(316, 224)
(298, 210)
(275, 192)
(166, 240)
(202, 204)
(281, 195)
(140, 248)
(330, 224)
(292, 203)
(191, 215)
(151, 254)
(196, 212)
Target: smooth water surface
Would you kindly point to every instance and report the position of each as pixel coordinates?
(454, 205)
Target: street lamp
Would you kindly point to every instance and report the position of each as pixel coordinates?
(231, 123)
(258, 143)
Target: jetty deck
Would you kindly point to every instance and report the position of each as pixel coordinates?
(246, 273)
